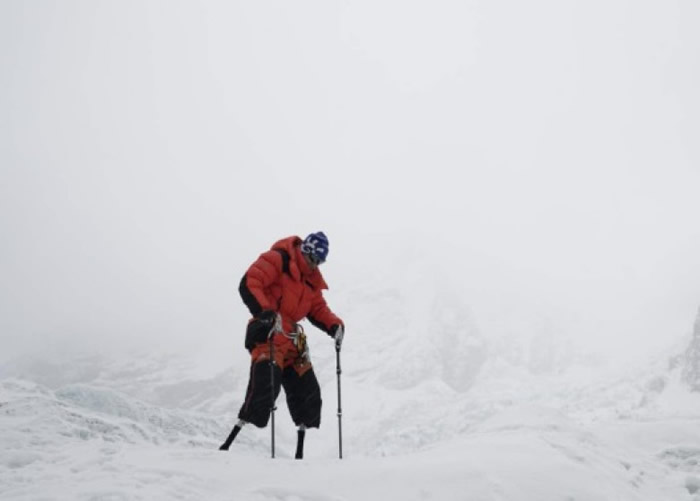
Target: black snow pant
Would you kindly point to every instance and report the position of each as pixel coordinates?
(303, 395)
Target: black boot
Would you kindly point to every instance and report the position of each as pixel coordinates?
(231, 437)
(301, 433)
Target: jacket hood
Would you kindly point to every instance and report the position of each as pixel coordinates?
(292, 245)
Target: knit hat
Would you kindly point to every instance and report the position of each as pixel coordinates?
(316, 246)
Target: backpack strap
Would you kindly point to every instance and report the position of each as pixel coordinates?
(285, 261)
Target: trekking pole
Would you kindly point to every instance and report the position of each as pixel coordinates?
(340, 410)
(277, 326)
(272, 395)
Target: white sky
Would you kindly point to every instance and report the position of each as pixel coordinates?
(544, 154)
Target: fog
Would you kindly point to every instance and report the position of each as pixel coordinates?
(541, 157)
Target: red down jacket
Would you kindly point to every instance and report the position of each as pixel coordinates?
(280, 280)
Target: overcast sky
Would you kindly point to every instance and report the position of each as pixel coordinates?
(544, 155)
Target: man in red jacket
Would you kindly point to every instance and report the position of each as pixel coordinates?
(282, 287)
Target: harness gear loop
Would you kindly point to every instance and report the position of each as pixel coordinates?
(298, 337)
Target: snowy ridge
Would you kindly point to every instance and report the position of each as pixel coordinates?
(91, 413)
(540, 437)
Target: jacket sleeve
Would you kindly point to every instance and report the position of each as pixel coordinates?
(321, 316)
(265, 271)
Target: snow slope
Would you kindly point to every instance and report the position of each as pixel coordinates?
(113, 432)
(432, 409)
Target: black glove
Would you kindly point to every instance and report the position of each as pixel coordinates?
(266, 318)
(259, 328)
(337, 333)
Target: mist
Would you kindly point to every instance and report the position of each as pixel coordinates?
(540, 160)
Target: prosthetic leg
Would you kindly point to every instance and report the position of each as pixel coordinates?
(301, 433)
(232, 436)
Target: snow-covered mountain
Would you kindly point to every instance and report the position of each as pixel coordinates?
(690, 359)
(425, 416)
(511, 194)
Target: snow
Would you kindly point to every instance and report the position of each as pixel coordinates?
(435, 406)
(148, 427)
(510, 190)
